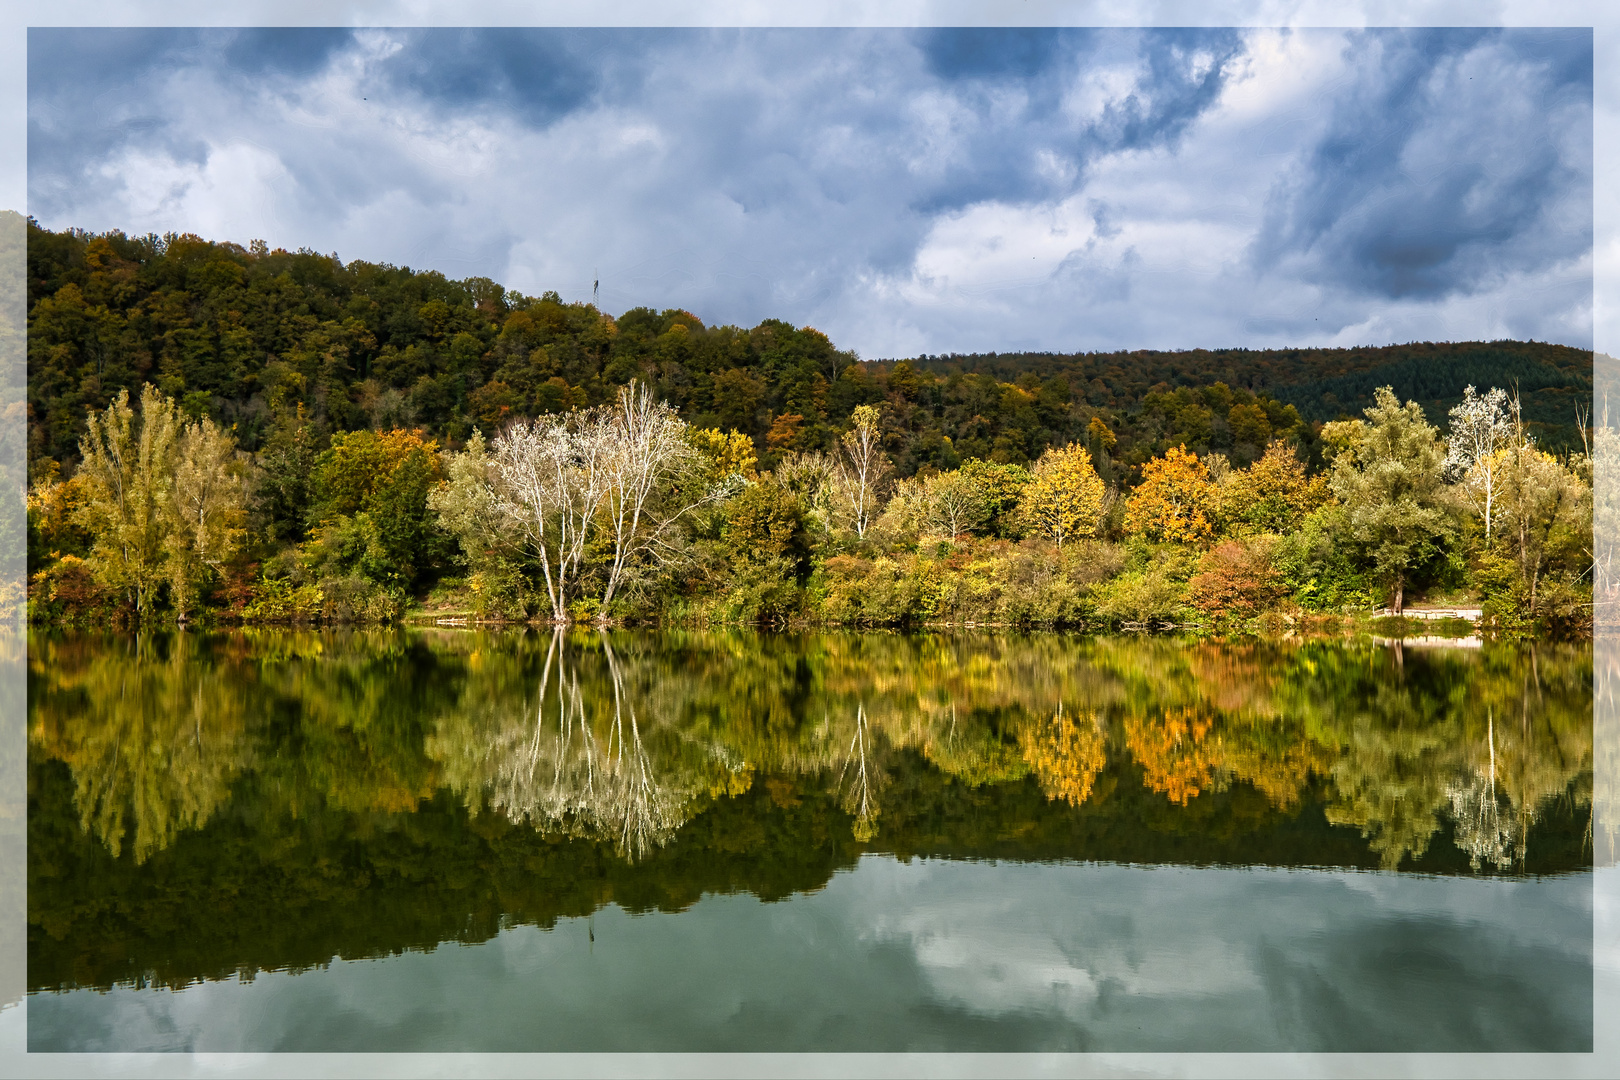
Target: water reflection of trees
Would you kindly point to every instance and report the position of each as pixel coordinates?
(570, 759)
(153, 732)
(624, 737)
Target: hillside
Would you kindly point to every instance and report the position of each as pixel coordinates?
(253, 336)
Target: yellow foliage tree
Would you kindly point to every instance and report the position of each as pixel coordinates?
(209, 508)
(1065, 497)
(1175, 501)
(127, 481)
(1272, 495)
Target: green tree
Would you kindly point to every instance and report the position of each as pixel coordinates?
(208, 509)
(1392, 484)
(127, 480)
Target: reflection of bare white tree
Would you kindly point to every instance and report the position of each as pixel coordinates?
(865, 779)
(569, 776)
(1482, 829)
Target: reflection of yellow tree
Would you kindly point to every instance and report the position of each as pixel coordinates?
(1066, 755)
(154, 737)
(1177, 756)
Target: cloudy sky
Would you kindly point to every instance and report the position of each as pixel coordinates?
(904, 190)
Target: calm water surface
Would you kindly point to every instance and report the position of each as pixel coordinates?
(720, 841)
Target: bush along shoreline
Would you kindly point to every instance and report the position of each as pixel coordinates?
(625, 513)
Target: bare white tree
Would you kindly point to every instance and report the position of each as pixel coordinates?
(1481, 426)
(647, 447)
(552, 478)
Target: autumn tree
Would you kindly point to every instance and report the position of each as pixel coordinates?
(1236, 579)
(1175, 501)
(1065, 498)
(1003, 486)
(955, 503)
(1271, 496)
(370, 494)
(1391, 482)
(1546, 514)
(468, 509)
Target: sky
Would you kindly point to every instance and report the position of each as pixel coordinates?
(906, 191)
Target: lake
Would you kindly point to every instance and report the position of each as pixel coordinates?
(669, 841)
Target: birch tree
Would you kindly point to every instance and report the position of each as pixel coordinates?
(863, 467)
(955, 503)
(1481, 427)
(646, 447)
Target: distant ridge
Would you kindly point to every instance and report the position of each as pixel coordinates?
(1323, 384)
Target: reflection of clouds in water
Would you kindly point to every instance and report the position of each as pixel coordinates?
(992, 950)
(944, 955)
(1206, 954)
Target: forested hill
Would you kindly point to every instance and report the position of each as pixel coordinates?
(257, 337)
(1323, 384)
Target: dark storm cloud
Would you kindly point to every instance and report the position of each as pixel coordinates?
(1180, 75)
(535, 75)
(92, 91)
(1457, 157)
(1000, 52)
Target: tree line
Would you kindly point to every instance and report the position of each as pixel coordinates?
(273, 436)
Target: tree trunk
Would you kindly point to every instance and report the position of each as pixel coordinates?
(1400, 591)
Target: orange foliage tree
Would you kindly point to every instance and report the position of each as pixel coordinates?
(1175, 501)
(1235, 579)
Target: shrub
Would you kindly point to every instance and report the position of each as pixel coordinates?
(1141, 597)
(1236, 579)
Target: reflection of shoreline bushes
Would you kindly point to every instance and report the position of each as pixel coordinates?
(625, 737)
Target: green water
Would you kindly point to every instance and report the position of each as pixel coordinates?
(423, 840)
